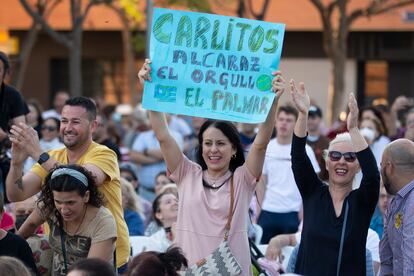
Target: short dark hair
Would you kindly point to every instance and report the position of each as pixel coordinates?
(68, 183)
(288, 109)
(93, 267)
(230, 131)
(127, 167)
(157, 263)
(86, 103)
(377, 114)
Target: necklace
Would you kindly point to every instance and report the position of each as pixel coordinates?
(214, 186)
(80, 224)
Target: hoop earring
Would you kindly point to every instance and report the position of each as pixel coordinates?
(233, 156)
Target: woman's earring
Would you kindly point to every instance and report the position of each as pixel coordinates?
(233, 156)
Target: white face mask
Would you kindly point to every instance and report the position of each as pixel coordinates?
(368, 134)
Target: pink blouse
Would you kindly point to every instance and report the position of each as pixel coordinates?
(202, 213)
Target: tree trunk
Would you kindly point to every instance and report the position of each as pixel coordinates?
(337, 90)
(129, 59)
(23, 60)
(75, 63)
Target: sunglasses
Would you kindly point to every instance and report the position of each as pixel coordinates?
(336, 156)
(49, 128)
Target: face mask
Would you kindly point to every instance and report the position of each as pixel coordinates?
(116, 117)
(368, 134)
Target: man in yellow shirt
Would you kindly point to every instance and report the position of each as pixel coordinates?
(78, 122)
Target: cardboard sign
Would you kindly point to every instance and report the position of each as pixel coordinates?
(212, 66)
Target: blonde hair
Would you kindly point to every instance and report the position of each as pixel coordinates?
(341, 138)
(12, 266)
(133, 201)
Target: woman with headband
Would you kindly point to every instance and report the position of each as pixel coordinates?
(80, 227)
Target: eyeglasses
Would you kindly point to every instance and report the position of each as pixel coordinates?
(336, 156)
(49, 128)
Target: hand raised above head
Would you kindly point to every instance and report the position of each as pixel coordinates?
(278, 83)
(145, 71)
(352, 120)
(300, 97)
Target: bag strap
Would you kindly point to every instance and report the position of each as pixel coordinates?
(62, 242)
(231, 211)
(341, 246)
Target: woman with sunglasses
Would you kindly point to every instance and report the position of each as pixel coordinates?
(50, 135)
(327, 208)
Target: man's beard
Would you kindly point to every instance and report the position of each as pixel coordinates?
(386, 182)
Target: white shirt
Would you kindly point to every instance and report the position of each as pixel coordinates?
(282, 194)
(378, 148)
(373, 245)
(160, 237)
(147, 140)
(180, 125)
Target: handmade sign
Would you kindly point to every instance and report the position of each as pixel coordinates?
(212, 66)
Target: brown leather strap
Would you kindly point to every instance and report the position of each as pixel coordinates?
(231, 211)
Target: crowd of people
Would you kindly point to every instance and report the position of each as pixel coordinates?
(79, 181)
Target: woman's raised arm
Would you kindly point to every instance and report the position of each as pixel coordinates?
(302, 102)
(257, 152)
(358, 141)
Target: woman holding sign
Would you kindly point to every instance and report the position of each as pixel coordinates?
(219, 179)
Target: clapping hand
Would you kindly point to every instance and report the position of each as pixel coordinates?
(25, 142)
(145, 71)
(300, 97)
(352, 120)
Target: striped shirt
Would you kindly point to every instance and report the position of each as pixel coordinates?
(397, 244)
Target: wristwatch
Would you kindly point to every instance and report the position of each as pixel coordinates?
(43, 158)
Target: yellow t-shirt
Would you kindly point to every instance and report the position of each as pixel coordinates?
(106, 160)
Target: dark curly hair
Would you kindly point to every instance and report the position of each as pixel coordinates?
(230, 131)
(68, 183)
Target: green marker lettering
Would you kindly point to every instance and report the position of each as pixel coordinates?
(158, 25)
(243, 28)
(202, 26)
(216, 30)
(184, 31)
(256, 39)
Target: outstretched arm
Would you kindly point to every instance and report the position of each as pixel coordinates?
(301, 99)
(257, 152)
(169, 147)
(305, 176)
(274, 249)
